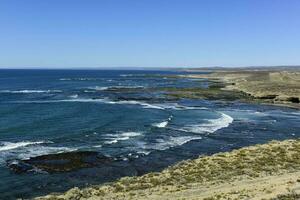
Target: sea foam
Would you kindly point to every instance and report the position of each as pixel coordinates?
(164, 144)
(114, 138)
(163, 124)
(103, 88)
(211, 126)
(125, 102)
(5, 146)
(28, 149)
(29, 91)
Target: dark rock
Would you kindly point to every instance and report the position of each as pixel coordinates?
(268, 97)
(19, 166)
(61, 162)
(294, 99)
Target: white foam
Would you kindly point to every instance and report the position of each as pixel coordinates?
(176, 106)
(38, 150)
(144, 152)
(111, 142)
(121, 136)
(132, 102)
(82, 100)
(103, 88)
(65, 79)
(211, 126)
(128, 102)
(131, 134)
(98, 88)
(163, 144)
(79, 79)
(5, 146)
(126, 75)
(162, 124)
(28, 149)
(75, 96)
(89, 91)
(29, 91)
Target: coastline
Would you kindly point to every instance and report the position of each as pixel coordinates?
(267, 171)
(281, 88)
(264, 171)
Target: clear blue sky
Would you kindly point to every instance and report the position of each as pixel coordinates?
(149, 33)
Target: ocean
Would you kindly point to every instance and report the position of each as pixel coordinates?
(123, 115)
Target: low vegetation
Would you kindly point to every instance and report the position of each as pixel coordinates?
(197, 176)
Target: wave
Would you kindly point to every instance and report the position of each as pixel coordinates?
(162, 124)
(121, 136)
(211, 126)
(126, 75)
(176, 106)
(75, 96)
(164, 144)
(128, 102)
(103, 88)
(97, 146)
(65, 100)
(65, 79)
(27, 149)
(29, 91)
(33, 151)
(79, 79)
(5, 146)
(98, 88)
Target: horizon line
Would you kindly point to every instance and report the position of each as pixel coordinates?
(143, 68)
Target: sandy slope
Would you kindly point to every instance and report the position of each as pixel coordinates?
(259, 172)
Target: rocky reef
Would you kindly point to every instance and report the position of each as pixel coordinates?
(60, 162)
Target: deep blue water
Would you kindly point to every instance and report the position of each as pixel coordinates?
(121, 115)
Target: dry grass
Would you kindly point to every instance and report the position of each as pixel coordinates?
(193, 176)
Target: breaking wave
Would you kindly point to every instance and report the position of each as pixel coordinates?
(211, 126)
(114, 138)
(164, 144)
(80, 79)
(28, 149)
(5, 146)
(145, 105)
(163, 124)
(29, 91)
(103, 88)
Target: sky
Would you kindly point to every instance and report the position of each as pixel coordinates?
(148, 33)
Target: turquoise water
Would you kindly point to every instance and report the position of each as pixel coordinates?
(121, 115)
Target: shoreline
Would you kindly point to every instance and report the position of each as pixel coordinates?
(269, 171)
(264, 171)
(280, 88)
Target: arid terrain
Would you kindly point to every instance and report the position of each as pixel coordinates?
(271, 86)
(268, 171)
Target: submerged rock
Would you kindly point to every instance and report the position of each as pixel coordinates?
(19, 167)
(60, 162)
